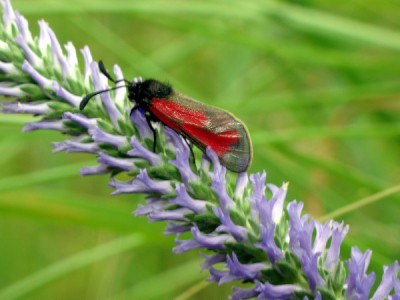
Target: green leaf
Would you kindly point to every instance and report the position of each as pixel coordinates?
(126, 127)
(237, 217)
(247, 253)
(326, 294)
(59, 106)
(287, 271)
(165, 172)
(207, 223)
(199, 190)
(33, 91)
(300, 295)
(106, 126)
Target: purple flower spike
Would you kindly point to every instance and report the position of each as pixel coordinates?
(72, 59)
(309, 265)
(142, 184)
(44, 39)
(389, 279)
(211, 260)
(174, 140)
(8, 14)
(238, 232)
(332, 257)
(396, 295)
(11, 91)
(42, 81)
(58, 55)
(152, 205)
(70, 146)
(216, 275)
(23, 108)
(323, 233)
(47, 125)
(219, 186)
(212, 156)
(142, 152)
(102, 137)
(241, 184)
(120, 93)
(176, 228)
(300, 235)
(81, 120)
(29, 54)
(87, 57)
(67, 96)
(125, 164)
(95, 170)
(238, 271)
(240, 294)
(276, 203)
(205, 163)
(99, 84)
(268, 244)
(359, 283)
(200, 240)
(268, 291)
(170, 215)
(183, 199)
(218, 180)
(139, 120)
(181, 162)
(317, 297)
(8, 68)
(258, 196)
(23, 27)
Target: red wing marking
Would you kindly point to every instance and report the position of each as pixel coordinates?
(220, 142)
(172, 114)
(195, 125)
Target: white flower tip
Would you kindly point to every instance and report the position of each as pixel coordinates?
(67, 115)
(117, 69)
(42, 22)
(28, 127)
(285, 186)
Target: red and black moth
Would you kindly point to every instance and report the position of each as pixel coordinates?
(201, 124)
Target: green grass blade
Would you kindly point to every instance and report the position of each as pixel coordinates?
(165, 282)
(16, 119)
(361, 203)
(340, 27)
(302, 18)
(349, 132)
(85, 258)
(37, 177)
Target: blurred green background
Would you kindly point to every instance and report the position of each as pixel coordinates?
(316, 82)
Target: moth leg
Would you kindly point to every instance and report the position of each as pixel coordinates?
(148, 119)
(190, 145)
(135, 107)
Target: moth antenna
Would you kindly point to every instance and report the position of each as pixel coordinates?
(87, 98)
(104, 71)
